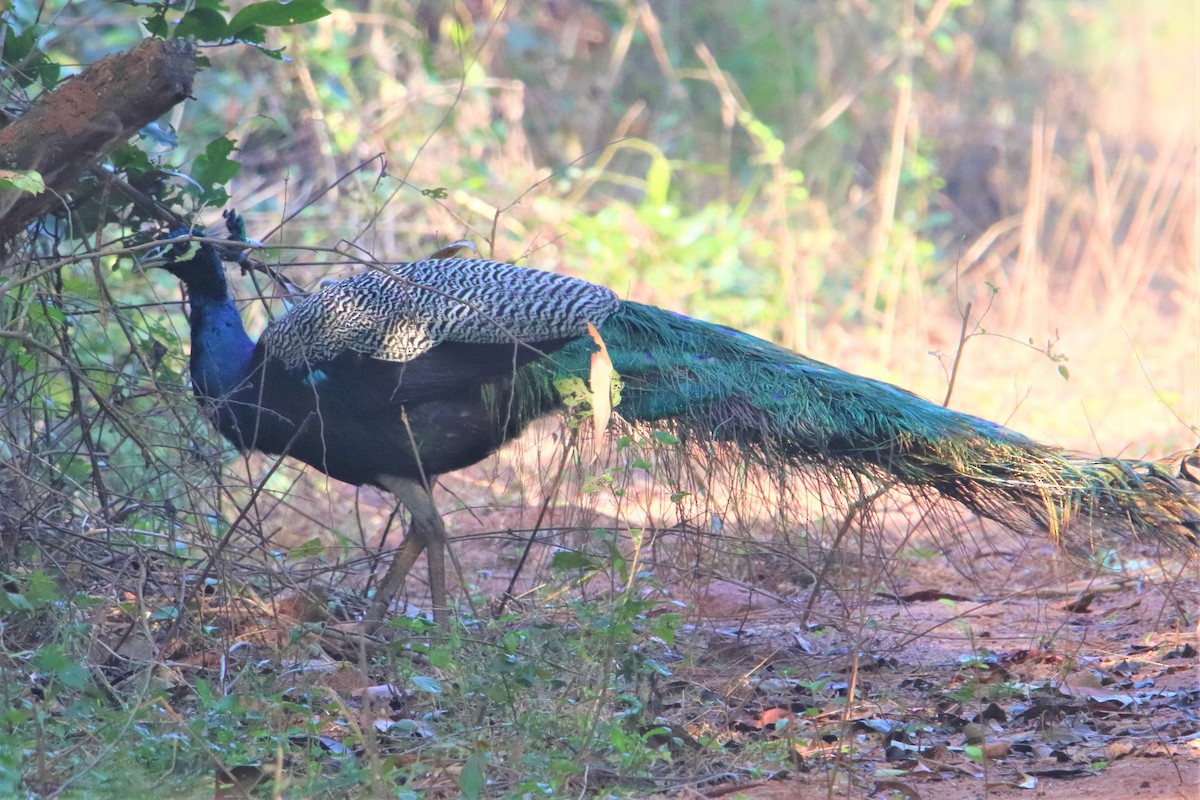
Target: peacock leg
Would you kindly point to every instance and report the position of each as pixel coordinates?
(426, 533)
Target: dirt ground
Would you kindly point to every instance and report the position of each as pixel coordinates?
(996, 668)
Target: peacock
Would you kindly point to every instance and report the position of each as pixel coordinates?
(395, 376)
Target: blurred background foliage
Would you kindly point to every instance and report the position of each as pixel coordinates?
(789, 168)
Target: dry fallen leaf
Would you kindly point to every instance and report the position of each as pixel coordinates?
(600, 382)
(995, 750)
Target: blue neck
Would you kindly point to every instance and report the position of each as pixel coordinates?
(221, 350)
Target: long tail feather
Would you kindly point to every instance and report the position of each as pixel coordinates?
(780, 408)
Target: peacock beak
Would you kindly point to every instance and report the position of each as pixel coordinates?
(154, 258)
(179, 248)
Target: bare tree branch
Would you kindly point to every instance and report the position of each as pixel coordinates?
(69, 130)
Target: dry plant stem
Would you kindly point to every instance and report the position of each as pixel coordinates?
(328, 164)
(30, 277)
(537, 525)
(184, 727)
(855, 663)
(147, 204)
(74, 370)
(1030, 278)
(855, 510)
(68, 130)
(213, 559)
(426, 532)
(958, 353)
(360, 723)
(318, 195)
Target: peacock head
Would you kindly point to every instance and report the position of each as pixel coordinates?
(184, 255)
(196, 262)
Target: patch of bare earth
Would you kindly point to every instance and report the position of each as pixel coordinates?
(1025, 696)
(992, 667)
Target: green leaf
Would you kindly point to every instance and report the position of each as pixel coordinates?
(277, 14)
(26, 63)
(53, 659)
(424, 683)
(974, 752)
(46, 314)
(23, 180)
(132, 160)
(1066, 373)
(164, 613)
(42, 590)
(573, 391)
(470, 780)
(665, 438)
(595, 483)
(313, 548)
(15, 601)
(204, 24)
(213, 169)
(654, 666)
(571, 559)
(156, 24)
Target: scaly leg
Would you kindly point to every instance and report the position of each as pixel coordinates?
(426, 532)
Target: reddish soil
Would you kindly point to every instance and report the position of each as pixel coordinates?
(1068, 681)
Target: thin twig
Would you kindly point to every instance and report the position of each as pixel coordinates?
(958, 353)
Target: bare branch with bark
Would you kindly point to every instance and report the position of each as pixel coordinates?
(67, 131)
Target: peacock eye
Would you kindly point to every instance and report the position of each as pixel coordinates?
(177, 251)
